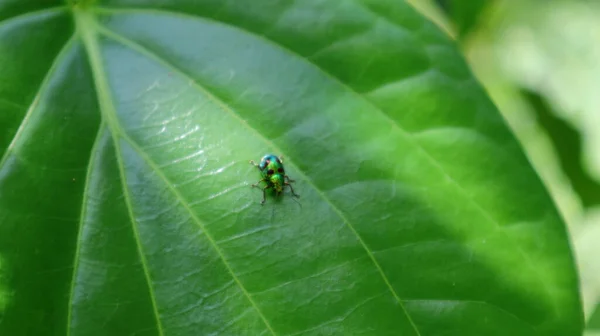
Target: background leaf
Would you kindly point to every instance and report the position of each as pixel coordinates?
(125, 197)
(567, 142)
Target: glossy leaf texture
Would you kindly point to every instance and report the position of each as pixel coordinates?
(125, 198)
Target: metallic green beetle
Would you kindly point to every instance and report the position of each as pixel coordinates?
(273, 174)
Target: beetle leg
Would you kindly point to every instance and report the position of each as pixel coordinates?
(292, 189)
(264, 195)
(289, 179)
(254, 164)
(257, 183)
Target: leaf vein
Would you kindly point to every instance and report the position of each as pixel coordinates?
(77, 260)
(34, 103)
(28, 15)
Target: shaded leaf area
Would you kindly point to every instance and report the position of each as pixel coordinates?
(42, 33)
(412, 218)
(465, 14)
(19, 9)
(42, 171)
(567, 141)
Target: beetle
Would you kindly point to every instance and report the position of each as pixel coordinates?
(273, 174)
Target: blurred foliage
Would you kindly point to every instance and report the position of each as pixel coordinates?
(594, 321)
(567, 141)
(538, 59)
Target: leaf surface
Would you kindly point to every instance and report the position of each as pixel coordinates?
(125, 183)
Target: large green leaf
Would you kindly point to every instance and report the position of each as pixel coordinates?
(125, 198)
